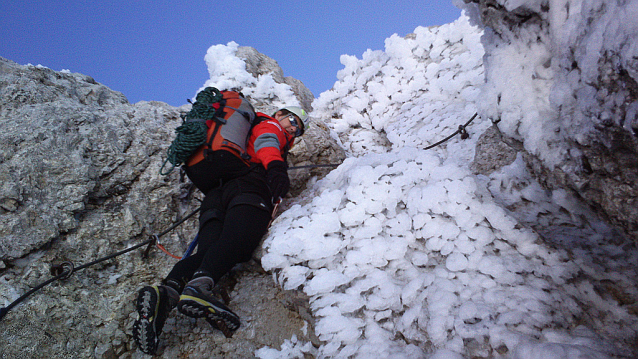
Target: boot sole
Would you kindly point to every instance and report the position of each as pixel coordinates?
(198, 308)
(144, 331)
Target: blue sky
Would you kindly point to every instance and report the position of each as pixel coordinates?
(154, 50)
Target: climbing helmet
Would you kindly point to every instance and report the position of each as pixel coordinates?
(300, 114)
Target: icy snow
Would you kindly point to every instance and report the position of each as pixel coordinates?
(228, 71)
(404, 252)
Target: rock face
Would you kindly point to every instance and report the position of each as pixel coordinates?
(80, 180)
(259, 64)
(588, 118)
(70, 144)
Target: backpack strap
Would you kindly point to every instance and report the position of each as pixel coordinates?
(219, 120)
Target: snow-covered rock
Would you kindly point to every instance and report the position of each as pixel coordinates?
(457, 250)
(562, 79)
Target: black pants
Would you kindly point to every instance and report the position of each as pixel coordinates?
(233, 219)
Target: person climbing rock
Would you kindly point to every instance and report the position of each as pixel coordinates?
(240, 195)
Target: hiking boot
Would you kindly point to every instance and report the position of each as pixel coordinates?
(197, 301)
(153, 305)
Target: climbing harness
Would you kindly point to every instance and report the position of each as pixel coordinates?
(461, 130)
(66, 269)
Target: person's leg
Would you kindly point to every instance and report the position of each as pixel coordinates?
(248, 212)
(154, 303)
(183, 270)
(245, 223)
(244, 227)
(211, 224)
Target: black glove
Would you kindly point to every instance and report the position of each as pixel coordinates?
(277, 178)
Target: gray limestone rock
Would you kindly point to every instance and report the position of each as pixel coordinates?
(492, 152)
(68, 144)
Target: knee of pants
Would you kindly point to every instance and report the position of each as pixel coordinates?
(209, 215)
(246, 224)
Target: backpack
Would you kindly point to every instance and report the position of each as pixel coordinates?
(218, 120)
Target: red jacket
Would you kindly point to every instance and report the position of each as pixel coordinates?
(268, 141)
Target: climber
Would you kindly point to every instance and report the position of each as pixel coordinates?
(234, 216)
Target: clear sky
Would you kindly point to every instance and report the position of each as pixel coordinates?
(154, 50)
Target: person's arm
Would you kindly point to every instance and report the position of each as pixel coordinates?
(269, 143)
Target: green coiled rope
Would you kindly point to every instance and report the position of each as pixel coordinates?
(202, 108)
(192, 133)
